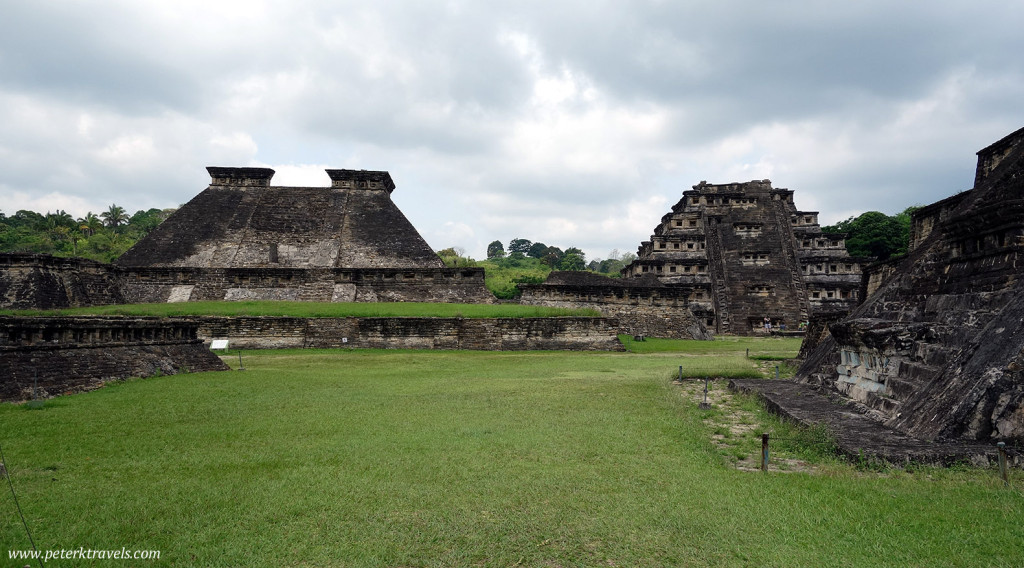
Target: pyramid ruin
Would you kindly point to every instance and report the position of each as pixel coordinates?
(244, 239)
(937, 350)
(241, 221)
(743, 252)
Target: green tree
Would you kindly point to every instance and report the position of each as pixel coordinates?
(454, 257)
(572, 261)
(24, 218)
(59, 219)
(495, 250)
(873, 234)
(537, 250)
(90, 224)
(114, 216)
(519, 245)
(552, 256)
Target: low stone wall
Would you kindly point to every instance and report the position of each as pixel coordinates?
(491, 334)
(61, 355)
(641, 309)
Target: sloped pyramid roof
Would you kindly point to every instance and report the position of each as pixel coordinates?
(241, 221)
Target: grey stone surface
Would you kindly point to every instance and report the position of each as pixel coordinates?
(488, 334)
(643, 306)
(743, 252)
(859, 436)
(241, 221)
(61, 355)
(937, 351)
(37, 281)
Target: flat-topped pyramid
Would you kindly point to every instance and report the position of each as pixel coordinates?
(241, 221)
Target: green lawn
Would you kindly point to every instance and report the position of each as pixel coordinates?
(430, 458)
(317, 310)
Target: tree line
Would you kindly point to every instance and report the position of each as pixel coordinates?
(101, 237)
(554, 257)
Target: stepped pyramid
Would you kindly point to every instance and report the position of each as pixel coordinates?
(244, 239)
(744, 252)
(241, 221)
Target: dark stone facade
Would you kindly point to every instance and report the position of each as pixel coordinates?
(243, 239)
(182, 284)
(743, 252)
(60, 355)
(241, 221)
(937, 351)
(38, 281)
(488, 334)
(642, 306)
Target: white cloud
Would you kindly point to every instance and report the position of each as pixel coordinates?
(576, 124)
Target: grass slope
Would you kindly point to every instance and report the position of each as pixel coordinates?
(402, 458)
(317, 310)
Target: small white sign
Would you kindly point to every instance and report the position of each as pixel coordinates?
(219, 344)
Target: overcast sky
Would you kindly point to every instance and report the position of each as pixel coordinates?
(572, 123)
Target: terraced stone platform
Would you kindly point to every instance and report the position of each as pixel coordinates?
(857, 435)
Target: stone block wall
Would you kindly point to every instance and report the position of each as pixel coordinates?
(642, 306)
(61, 355)
(30, 281)
(39, 281)
(490, 334)
(173, 284)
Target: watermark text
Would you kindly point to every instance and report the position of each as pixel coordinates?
(82, 553)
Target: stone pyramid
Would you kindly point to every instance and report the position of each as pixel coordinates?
(241, 221)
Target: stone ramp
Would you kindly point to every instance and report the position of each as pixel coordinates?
(857, 435)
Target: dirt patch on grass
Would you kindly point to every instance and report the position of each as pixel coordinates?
(736, 427)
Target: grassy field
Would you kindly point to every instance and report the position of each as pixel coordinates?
(317, 310)
(430, 458)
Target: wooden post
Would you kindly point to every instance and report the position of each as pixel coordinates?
(764, 452)
(1002, 464)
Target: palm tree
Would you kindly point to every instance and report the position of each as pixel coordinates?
(60, 219)
(90, 224)
(114, 216)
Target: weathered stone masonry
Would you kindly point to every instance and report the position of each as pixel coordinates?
(38, 281)
(937, 351)
(182, 284)
(490, 334)
(643, 306)
(61, 355)
(243, 239)
(742, 252)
